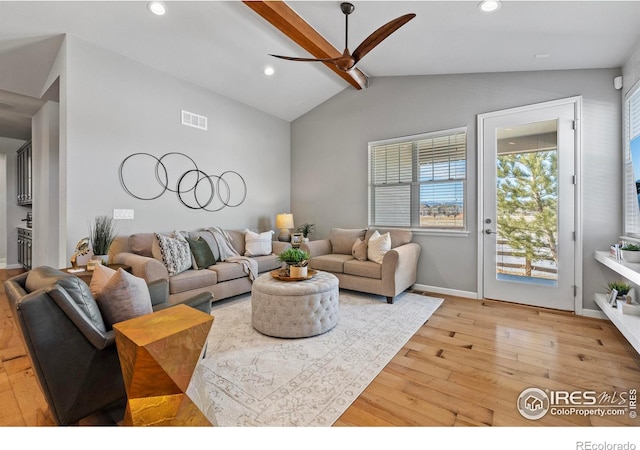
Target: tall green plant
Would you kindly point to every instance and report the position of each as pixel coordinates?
(102, 233)
(528, 203)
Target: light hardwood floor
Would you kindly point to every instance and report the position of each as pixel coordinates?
(465, 367)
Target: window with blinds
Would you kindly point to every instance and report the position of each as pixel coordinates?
(419, 181)
(632, 164)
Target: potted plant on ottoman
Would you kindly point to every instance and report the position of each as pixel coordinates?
(296, 260)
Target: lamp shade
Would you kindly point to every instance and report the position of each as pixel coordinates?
(284, 220)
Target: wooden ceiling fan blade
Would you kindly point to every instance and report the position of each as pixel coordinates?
(380, 35)
(293, 58)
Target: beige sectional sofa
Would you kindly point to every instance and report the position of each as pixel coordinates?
(223, 279)
(337, 254)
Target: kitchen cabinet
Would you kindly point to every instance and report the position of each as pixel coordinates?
(24, 247)
(25, 174)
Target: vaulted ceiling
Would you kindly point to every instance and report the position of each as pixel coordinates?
(224, 46)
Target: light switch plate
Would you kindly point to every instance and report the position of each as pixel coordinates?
(123, 213)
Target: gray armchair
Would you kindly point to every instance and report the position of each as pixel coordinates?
(73, 354)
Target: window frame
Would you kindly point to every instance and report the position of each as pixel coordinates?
(630, 220)
(416, 183)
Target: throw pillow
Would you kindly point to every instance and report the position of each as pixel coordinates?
(342, 239)
(175, 251)
(377, 246)
(101, 275)
(123, 297)
(257, 244)
(207, 236)
(359, 250)
(201, 254)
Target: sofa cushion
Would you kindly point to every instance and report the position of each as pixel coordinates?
(192, 279)
(330, 263)
(201, 254)
(342, 239)
(377, 246)
(267, 263)
(399, 236)
(228, 271)
(257, 244)
(176, 254)
(123, 297)
(208, 237)
(366, 269)
(141, 244)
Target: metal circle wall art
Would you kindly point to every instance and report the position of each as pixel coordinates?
(195, 188)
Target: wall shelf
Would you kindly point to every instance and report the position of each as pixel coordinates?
(628, 325)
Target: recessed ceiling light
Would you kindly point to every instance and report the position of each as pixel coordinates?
(268, 71)
(156, 8)
(489, 5)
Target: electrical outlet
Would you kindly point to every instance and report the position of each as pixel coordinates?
(123, 214)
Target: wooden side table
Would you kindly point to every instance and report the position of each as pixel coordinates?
(158, 353)
(85, 275)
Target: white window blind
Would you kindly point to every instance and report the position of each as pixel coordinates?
(631, 158)
(419, 181)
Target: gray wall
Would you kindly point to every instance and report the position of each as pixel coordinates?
(112, 107)
(329, 156)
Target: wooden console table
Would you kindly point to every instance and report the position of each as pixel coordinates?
(158, 353)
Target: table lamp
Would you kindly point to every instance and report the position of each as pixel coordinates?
(284, 221)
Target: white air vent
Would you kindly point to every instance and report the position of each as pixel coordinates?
(194, 120)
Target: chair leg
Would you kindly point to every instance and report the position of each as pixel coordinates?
(390, 300)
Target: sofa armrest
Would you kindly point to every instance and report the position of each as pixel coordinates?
(317, 248)
(201, 302)
(143, 266)
(279, 246)
(400, 267)
(159, 292)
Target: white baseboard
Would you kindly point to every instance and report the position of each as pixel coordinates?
(445, 291)
(593, 313)
(14, 266)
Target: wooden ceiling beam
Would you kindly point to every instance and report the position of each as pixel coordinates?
(285, 19)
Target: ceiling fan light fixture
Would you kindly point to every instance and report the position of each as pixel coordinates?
(269, 70)
(157, 8)
(490, 6)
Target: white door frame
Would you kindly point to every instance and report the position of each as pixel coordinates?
(577, 104)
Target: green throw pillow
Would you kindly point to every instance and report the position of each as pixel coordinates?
(201, 253)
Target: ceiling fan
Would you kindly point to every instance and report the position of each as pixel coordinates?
(347, 60)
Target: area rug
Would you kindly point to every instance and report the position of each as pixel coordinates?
(249, 379)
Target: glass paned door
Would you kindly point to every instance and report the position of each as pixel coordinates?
(528, 205)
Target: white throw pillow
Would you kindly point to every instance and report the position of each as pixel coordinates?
(378, 245)
(257, 244)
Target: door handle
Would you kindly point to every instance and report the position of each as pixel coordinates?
(488, 231)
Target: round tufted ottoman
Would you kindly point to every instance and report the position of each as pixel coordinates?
(294, 309)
